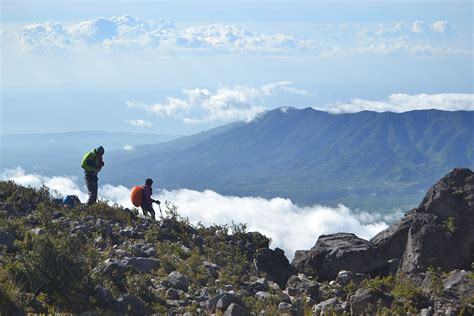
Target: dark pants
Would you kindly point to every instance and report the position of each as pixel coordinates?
(148, 208)
(92, 186)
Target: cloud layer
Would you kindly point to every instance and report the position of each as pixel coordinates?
(227, 103)
(289, 226)
(401, 102)
(133, 34)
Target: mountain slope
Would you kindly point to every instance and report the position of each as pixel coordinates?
(311, 156)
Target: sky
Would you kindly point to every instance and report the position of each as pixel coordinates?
(180, 67)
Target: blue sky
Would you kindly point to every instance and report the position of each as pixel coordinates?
(181, 67)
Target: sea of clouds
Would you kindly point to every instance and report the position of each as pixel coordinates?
(289, 226)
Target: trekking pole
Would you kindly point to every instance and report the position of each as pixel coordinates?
(159, 206)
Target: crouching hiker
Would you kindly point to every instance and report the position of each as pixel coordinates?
(92, 163)
(141, 196)
(147, 201)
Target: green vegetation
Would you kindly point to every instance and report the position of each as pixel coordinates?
(58, 268)
(450, 225)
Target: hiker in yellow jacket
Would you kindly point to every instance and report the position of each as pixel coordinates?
(92, 163)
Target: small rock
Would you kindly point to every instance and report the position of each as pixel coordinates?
(362, 298)
(212, 302)
(37, 231)
(262, 295)
(226, 300)
(283, 306)
(104, 296)
(178, 281)
(142, 264)
(212, 269)
(345, 277)
(235, 310)
(330, 305)
(114, 269)
(172, 294)
(131, 303)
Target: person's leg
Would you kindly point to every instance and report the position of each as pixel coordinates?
(144, 210)
(148, 209)
(92, 187)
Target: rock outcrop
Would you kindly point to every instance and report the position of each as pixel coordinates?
(336, 252)
(440, 232)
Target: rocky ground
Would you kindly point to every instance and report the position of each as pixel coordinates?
(106, 260)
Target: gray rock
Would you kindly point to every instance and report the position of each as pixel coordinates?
(459, 284)
(275, 264)
(336, 252)
(130, 304)
(260, 285)
(142, 264)
(37, 231)
(224, 302)
(178, 281)
(235, 310)
(284, 307)
(81, 228)
(114, 269)
(362, 298)
(103, 296)
(330, 305)
(425, 312)
(345, 277)
(7, 240)
(212, 269)
(212, 302)
(392, 266)
(298, 285)
(431, 241)
(172, 294)
(392, 241)
(262, 295)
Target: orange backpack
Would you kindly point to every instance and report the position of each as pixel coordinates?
(136, 196)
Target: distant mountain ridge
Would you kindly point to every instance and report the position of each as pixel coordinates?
(365, 159)
(58, 153)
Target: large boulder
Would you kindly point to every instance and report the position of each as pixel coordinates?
(275, 264)
(336, 252)
(393, 240)
(442, 231)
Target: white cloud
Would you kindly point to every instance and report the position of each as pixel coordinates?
(140, 123)
(235, 103)
(289, 226)
(129, 33)
(63, 185)
(440, 26)
(401, 102)
(418, 37)
(128, 148)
